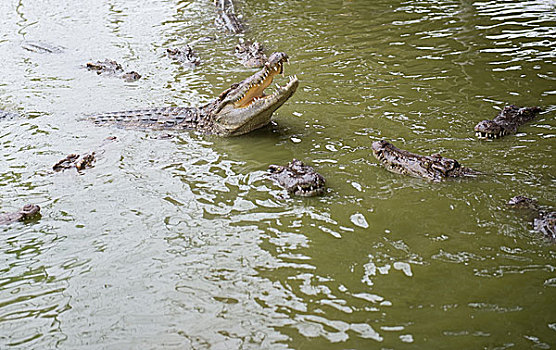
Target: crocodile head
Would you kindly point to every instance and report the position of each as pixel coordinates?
(29, 210)
(506, 122)
(521, 202)
(245, 107)
(434, 168)
(489, 129)
(298, 179)
(251, 54)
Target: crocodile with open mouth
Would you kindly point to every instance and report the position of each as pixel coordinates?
(27, 211)
(298, 179)
(238, 110)
(544, 221)
(506, 122)
(435, 167)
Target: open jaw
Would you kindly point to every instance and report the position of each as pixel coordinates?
(307, 189)
(245, 106)
(488, 129)
(262, 80)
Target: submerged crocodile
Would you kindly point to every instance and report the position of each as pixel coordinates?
(80, 162)
(544, 220)
(77, 161)
(506, 122)
(227, 18)
(298, 179)
(240, 109)
(435, 167)
(27, 211)
(250, 54)
(186, 56)
(112, 68)
(41, 47)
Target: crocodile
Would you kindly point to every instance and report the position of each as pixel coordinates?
(40, 47)
(27, 211)
(186, 56)
(298, 179)
(506, 122)
(112, 68)
(227, 18)
(250, 54)
(434, 168)
(544, 221)
(240, 109)
(79, 162)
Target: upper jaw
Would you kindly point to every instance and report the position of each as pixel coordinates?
(245, 107)
(253, 87)
(485, 135)
(488, 129)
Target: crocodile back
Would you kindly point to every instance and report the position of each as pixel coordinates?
(156, 118)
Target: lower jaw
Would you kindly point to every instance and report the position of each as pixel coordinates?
(246, 128)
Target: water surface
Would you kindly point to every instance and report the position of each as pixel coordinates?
(182, 243)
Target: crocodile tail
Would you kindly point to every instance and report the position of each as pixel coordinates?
(156, 118)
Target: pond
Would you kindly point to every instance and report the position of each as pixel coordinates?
(178, 240)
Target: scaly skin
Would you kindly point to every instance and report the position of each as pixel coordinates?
(506, 122)
(112, 68)
(544, 221)
(186, 56)
(227, 18)
(79, 162)
(27, 211)
(238, 110)
(298, 179)
(434, 168)
(250, 54)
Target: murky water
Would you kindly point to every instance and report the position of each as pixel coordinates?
(182, 243)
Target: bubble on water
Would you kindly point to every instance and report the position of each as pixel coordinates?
(359, 220)
(404, 267)
(406, 338)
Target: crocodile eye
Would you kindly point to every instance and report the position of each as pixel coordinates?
(439, 168)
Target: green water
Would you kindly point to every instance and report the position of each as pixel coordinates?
(182, 243)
